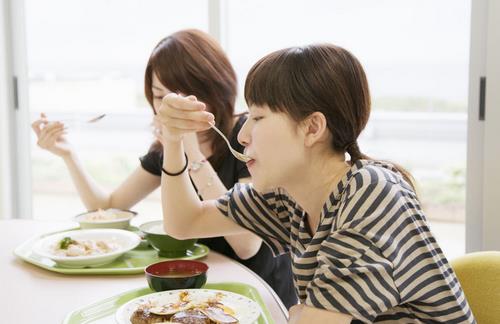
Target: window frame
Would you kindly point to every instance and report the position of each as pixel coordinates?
(483, 152)
(16, 173)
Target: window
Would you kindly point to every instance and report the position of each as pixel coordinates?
(416, 56)
(86, 58)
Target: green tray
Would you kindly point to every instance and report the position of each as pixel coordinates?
(132, 262)
(104, 310)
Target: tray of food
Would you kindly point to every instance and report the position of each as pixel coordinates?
(225, 302)
(107, 248)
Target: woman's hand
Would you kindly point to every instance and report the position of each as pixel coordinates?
(51, 136)
(189, 140)
(179, 115)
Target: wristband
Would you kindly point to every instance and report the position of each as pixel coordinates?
(177, 173)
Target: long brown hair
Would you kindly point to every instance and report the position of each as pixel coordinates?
(192, 62)
(326, 78)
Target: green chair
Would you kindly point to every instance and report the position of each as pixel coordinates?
(479, 276)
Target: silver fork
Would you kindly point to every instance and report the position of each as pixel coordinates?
(240, 156)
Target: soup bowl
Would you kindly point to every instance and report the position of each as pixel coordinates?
(109, 218)
(166, 245)
(176, 274)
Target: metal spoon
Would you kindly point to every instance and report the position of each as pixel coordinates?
(240, 156)
(90, 121)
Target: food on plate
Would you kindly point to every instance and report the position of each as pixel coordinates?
(66, 242)
(172, 308)
(68, 247)
(85, 248)
(144, 316)
(219, 314)
(101, 215)
(185, 311)
(190, 316)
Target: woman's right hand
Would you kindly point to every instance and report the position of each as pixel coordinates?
(179, 115)
(51, 136)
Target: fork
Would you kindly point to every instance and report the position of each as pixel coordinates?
(240, 156)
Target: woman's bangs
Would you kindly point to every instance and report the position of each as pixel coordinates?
(268, 83)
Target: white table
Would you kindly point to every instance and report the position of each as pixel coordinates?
(29, 294)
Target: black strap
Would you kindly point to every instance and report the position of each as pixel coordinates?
(176, 173)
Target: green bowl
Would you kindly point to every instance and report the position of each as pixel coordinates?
(166, 245)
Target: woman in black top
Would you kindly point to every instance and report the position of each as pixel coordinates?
(187, 61)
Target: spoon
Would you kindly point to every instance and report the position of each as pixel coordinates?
(90, 121)
(240, 156)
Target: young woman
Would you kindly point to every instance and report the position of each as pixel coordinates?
(187, 61)
(361, 247)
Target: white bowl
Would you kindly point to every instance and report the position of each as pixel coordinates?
(126, 241)
(119, 223)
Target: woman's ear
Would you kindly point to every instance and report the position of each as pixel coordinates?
(315, 129)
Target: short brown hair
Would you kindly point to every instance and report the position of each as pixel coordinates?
(322, 77)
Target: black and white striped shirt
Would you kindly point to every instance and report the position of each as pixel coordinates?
(372, 257)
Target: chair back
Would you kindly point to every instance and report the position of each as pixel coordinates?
(479, 276)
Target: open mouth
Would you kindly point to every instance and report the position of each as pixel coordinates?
(250, 163)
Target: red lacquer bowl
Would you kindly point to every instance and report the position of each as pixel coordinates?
(176, 274)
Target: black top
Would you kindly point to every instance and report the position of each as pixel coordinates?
(276, 271)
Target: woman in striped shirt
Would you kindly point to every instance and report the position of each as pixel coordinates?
(361, 247)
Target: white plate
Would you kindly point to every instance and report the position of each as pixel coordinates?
(125, 239)
(245, 310)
